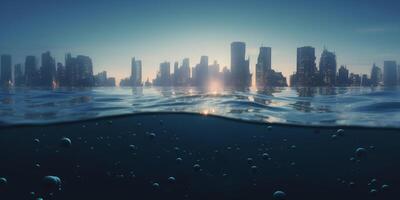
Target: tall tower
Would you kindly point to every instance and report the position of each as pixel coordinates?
(136, 72)
(306, 67)
(240, 69)
(31, 71)
(165, 74)
(390, 73)
(263, 65)
(376, 75)
(327, 68)
(6, 70)
(48, 70)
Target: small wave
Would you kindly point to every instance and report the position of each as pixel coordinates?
(315, 106)
(380, 107)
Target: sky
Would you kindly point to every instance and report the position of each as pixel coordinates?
(361, 32)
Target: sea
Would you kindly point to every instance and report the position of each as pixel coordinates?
(350, 106)
(200, 143)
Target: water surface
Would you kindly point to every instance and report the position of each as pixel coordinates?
(377, 107)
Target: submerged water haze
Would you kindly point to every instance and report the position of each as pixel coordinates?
(302, 106)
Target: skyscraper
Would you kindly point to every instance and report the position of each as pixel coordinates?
(136, 72)
(19, 79)
(31, 71)
(365, 81)
(265, 75)
(165, 74)
(343, 77)
(176, 74)
(48, 70)
(6, 70)
(71, 69)
(185, 72)
(398, 75)
(60, 75)
(263, 65)
(213, 72)
(390, 73)
(85, 71)
(306, 67)
(376, 75)
(240, 69)
(78, 71)
(202, 72)
(327, 68)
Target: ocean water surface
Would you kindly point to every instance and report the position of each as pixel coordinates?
(352, 106)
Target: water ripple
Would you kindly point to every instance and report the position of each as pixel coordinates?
(305, 106)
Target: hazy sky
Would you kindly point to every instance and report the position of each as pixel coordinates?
(111, 32)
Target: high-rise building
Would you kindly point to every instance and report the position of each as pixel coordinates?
(306, 73)
(327, 68)
(265, 75)
(19, 79)
(376, 75)
(61, 75)
(398, 75)
(240, 69)
(71, 69)
(176, 74)
(79, 71)
(31, 71)
(226, 76)
(6, 70)
(213, 72)
(390, 73)
(343, 77)
(48, 70)
(263, 65)
(355, 79)
(164, 76)
(200, 73)
(136, 72)
(185, 72)
(365, 81)
(85, 71)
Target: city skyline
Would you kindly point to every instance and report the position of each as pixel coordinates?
(169, 31)
(79, 72)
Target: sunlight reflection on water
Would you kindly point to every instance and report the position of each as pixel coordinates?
(307, 106)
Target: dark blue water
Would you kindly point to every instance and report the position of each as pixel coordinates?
(156, 151)
(373, 107)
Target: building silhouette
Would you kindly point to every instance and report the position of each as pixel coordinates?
(200, 72)
(183, 74)
(343, 77)
(175, 75)
(214, 74)
(240, 69)
(398, 75)
(61, 75)
(19, 79)
(164, 75)
(265, 75)
(5, 70)
(376, 75)
(390, 73)
(78, 71)
(355, 80)
(136, 73)
(327, 68)
(47, 70)
(306, 70)
(263, 65)
(101, 80)
(31, 71)
(365, 81)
